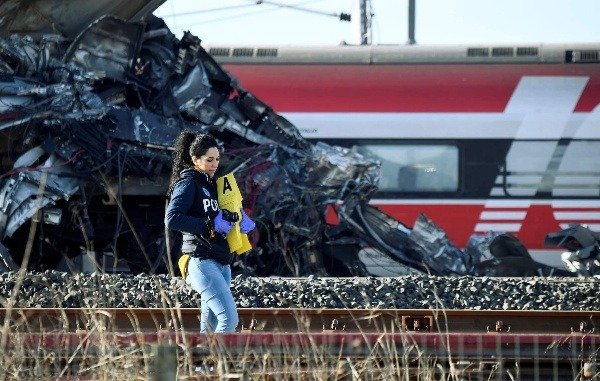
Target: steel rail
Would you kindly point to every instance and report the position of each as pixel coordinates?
(306, 320)
(350, 344)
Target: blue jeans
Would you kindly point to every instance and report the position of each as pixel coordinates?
(212, 281)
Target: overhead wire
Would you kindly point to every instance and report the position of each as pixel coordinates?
(201, 11)
(261, 11)
(296, 7)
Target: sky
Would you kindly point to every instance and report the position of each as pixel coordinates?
(243, 22)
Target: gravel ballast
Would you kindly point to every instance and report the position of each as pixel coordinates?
(65, 290)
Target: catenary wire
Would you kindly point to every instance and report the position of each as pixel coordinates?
(240, 15)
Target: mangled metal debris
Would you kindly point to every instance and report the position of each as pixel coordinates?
(88, 116)
(96, 115)
(583, 249)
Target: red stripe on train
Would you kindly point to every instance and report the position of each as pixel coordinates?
(401, 88)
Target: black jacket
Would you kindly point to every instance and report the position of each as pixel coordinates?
(192, 207)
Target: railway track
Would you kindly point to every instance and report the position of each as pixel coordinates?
(305, 320)
(309, 344)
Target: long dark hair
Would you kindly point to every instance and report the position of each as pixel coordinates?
(189, 143)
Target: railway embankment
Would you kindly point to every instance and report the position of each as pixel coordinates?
(53, 289)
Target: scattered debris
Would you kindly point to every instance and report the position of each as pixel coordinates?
(583, 247)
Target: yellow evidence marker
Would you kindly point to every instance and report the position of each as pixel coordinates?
(230, 198)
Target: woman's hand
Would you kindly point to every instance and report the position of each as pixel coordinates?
(246, 224)
(222, 226)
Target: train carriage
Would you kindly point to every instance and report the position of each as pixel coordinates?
(479, 138)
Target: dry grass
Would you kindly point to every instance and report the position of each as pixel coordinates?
(101, 354)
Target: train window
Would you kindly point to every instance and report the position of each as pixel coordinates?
(526, 165)
(578, 173)
(565, 168)
(415, 168)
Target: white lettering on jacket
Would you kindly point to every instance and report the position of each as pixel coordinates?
(210, 203)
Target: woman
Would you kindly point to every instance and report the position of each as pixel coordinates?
(193, 209)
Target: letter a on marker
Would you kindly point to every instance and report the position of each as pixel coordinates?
(226, 185)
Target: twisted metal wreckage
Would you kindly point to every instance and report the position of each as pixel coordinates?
(88, 116)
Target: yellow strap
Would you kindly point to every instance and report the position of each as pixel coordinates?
(183, 264)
